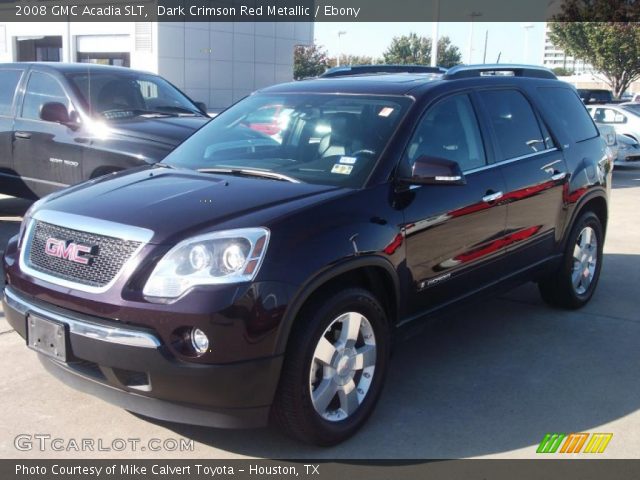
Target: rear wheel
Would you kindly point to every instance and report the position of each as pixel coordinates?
(334, 369)
(573, 285)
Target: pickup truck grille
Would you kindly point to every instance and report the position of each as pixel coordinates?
(101, 259)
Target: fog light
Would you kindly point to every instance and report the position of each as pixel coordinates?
(199, 341)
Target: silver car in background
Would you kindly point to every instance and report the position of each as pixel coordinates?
(622, 148)
(623, 117)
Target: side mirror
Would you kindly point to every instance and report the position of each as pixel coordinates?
(54, 112)
(435, 171)
(202, 106)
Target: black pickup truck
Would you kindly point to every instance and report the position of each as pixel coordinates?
(63, 123)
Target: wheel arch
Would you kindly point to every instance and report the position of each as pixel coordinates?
(596, 201)
(372, 273)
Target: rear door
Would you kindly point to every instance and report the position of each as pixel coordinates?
(534, 171)
(45, 154)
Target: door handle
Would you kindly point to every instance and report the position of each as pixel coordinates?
(24, 135)
(558, 176)
(492, 197)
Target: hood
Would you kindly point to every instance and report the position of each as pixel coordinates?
(168, 130)
(177, 203)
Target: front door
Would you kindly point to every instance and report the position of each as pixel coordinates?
(453, 232)
(9, 80)
(46, 155)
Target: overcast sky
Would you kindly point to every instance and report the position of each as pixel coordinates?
(373, 38)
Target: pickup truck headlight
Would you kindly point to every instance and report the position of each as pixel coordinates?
(230, 256)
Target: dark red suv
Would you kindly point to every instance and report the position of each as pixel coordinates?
(260, 275)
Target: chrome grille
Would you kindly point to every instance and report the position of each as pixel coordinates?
(107, 257)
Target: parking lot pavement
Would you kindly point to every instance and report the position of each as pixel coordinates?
(489, 380)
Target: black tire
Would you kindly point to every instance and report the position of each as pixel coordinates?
(558, 289)
(293, 410)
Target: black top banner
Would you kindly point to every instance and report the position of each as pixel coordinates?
(318, 10)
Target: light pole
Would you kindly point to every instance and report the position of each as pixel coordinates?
(434, 34)
(472, 16)
(527, 27)
(340, 34)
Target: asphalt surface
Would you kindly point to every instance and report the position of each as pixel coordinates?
(489, 380)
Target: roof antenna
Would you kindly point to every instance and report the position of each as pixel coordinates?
(499, 55)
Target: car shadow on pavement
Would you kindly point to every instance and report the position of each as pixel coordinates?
(493, 377)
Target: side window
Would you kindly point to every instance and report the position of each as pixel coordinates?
(41, 88)
(574, 118)
(515, 124)
(449, 130)
(8, 82)
(609, 115)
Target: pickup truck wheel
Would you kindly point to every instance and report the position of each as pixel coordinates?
(334, 368)
(572, 286)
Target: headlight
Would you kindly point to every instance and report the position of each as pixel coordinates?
(230, 256)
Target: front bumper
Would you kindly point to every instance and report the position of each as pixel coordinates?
(626, 155)
(132, 368)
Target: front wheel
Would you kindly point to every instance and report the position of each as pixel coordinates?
(573, 285)
(334, 368)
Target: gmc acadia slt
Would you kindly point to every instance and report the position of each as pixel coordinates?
(260, 271)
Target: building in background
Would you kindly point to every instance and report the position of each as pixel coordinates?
(555, 57)
(213, 62)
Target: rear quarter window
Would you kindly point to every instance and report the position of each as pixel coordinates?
(570, 111)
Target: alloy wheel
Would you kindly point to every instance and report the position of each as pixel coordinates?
(585, 259)
(342, 367)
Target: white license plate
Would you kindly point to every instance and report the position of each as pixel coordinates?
(47, 336)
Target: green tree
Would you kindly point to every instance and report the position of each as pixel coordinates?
(562, 72)
(346, 59)
(613, 49)
(309, 61)
(599, 11)
(414, 49)
(604, 34)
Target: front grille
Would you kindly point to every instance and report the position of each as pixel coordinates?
(107, 257)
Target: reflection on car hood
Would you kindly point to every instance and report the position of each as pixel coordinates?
(168, 130)
(175, 203)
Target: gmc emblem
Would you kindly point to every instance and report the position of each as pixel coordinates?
(67, 250)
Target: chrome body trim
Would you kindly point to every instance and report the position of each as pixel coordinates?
(82, 224)
(94, 225)
(82, 327)
(511, 160)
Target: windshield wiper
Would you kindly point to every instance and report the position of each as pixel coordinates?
(114, 114)
(179, 110)
(248, 172)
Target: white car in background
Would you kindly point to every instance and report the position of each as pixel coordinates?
(623, 117)
(622, 148)
(628, 150)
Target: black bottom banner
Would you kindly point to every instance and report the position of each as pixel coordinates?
(585, 469)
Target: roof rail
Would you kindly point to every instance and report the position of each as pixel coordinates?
(469, 71)
(347, 70)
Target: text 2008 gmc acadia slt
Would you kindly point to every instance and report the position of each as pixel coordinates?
(259, 272)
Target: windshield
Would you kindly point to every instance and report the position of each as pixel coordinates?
(313, 138)
(114, 95)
